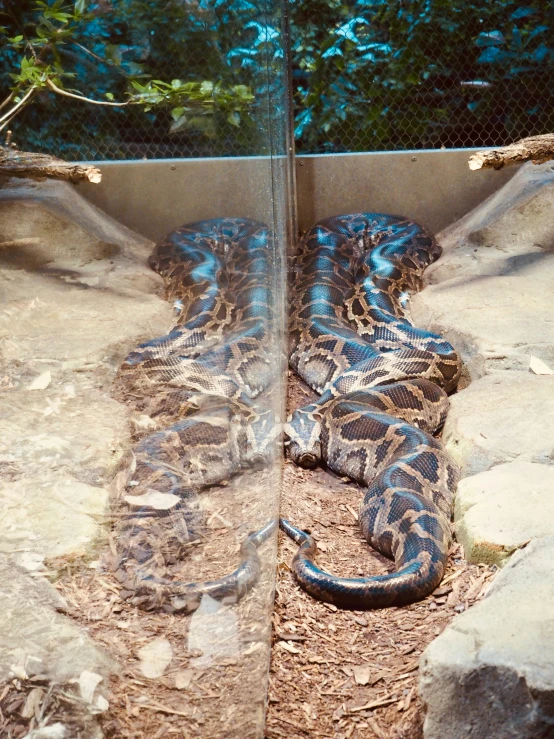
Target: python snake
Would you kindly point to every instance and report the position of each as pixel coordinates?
(193, 391)
(383, 387)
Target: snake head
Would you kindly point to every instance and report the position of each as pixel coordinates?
(303, 434)
(261, 438)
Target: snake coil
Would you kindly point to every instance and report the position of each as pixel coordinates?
(383, 387)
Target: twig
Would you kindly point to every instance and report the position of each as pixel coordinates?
(292, 723)
(163, 709)
(7, 117)
(538, 149)
(8, 100)
(75, 96)
(373, 704)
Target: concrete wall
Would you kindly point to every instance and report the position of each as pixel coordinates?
(434, 187)
(155, 196)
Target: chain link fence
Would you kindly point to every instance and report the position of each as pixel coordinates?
(378, 75)
(224, 43)
(368, 75)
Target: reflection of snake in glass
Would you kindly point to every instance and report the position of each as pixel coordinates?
(383, 387)
(195, 386)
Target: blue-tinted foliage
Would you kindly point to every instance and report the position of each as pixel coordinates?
(367, 74)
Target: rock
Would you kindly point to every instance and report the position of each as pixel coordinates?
(501, 510)
(490, 674)
(76, 291)
(214, 633)
(155, 657)
(491, 291)
(35, 638)
(77, 296)
(505, 416)
(56, 517)
(71, 427)
(41, 646)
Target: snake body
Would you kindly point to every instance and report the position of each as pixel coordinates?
(195, 391)
(383, 387)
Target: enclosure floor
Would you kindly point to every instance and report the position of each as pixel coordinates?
(340, 674)
(224, 700)
(349, 674)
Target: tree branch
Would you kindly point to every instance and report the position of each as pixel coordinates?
(7, 117)
(14, 163)
(8, 100)
(67, 94)
(538, 149)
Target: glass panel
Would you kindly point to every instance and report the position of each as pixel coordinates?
(141, 369)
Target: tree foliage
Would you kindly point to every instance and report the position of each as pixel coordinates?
(368, 74)
(386, 74)
(157, 73)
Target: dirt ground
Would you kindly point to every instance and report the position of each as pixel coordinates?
(349, 674)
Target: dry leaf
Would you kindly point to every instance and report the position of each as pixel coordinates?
(54, 731)
(155, 657)
(376, 677)
(42, 381)
(88, 682)
(538, 367)
(317, 660)
(183, 679)
(153, 499)
(361, 674)
(32, 703)
(19, 671)
(102, 704)
(289, 647)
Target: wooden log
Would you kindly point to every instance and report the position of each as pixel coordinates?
(14, 163)
(538, 149)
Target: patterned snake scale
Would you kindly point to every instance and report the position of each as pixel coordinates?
(193, 390)
(383, 385)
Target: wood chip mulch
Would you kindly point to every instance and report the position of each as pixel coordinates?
(348, 674)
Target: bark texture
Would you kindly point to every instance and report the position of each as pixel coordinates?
(14, 163)
(538, 149)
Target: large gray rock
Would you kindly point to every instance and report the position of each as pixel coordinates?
(36, 639)
(503, 509)
(39, 643)
(491, 292)
(490, 674)
(76, 295)
(503, 417)
(57, 516)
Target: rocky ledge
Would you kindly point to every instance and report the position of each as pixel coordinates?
(76, 296)
(491, 673)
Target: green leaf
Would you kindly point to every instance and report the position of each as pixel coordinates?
(177, 113)
(207, 88)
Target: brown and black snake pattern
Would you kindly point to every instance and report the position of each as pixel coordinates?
(195, 391)
(383, 385)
